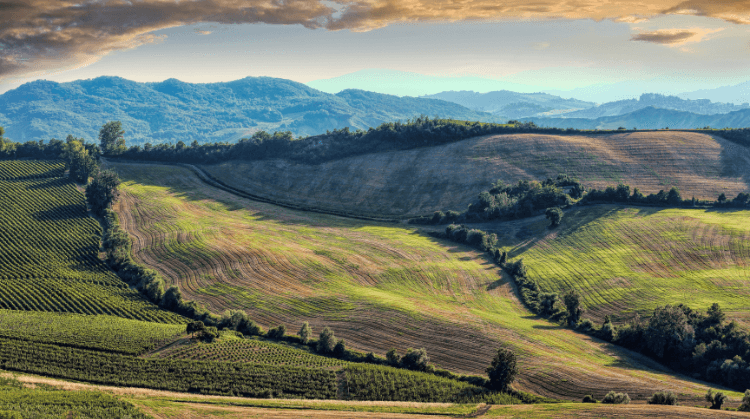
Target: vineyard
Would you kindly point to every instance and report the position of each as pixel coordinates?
(626, 260)
(49, 250)
(251, 351)
(106, 333)
(448, 177)
(378, 286)
(246, 380)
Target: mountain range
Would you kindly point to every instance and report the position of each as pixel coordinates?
(173, 110)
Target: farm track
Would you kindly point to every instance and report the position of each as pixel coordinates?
(377, 286)
(448, 177)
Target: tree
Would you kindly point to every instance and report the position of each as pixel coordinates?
(305, 333)
(393, 358)
(503, 370)
(716, 399)
(616, 398)
(326, 341)
(745, 406)
(669, 331)
(674, 197)
(277, 332)
(196, 326)
(80, 163)
(339, 351)
(111, 138)
(572, 302)
(102, 191)
(554, 215)
(208, 334)
(663, 397)
(415, 359)
(548, 303)
(722, 199)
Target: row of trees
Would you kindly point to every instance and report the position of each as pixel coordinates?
(622, 194)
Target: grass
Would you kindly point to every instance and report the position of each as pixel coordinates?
(626, 260)
(377, 285)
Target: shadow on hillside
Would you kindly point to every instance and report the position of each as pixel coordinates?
(736, 165)
(64, 212)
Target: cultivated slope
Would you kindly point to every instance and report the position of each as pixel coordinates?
(404, 183)
(627, 260)
(378, 286)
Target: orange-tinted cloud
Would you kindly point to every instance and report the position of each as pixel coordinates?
(674, 37)
(41, 35)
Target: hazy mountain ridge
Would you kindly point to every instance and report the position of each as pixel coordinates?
(621, 107)
(651, 118)
(173, 110)
(511, 104)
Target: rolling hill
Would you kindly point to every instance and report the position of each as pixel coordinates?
(650, 118)
(449, 177)
(172, 110)
(379, 286)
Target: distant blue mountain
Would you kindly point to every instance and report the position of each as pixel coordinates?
(173, 110)
(651, 118)
(511, 105)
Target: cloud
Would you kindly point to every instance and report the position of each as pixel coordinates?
(203, 32)
(37, 36)
(674, 37)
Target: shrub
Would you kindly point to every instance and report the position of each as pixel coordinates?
(589, 399)
(415, 359)
(393, 358)
(716, 399)
(277, 332)
(663, 397)
(616, 398)
(305, 333)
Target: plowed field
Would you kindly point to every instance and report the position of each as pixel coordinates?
(624, 260)
(376, 285)
(449, 177)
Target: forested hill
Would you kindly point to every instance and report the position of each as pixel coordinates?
(173, 110)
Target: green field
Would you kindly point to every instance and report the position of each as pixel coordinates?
(49, 250)
(378, 286)
(106, 333)
(626, 260)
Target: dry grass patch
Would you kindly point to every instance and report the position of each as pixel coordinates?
(448, 177)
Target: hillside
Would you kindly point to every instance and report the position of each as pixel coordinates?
(172, 110)
(628, 260)
(377, 286)
(449, 177)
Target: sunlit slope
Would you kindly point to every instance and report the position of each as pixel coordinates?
(449, 177)
(378, 286)
(624, 260)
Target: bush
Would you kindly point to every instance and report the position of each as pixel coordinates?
(745, 406)
(589, 399)
(716, 399)
(393, 357)
(663, 397)
(326, 342)
(415, 359)
(305, 333)
(616, 398)
(277, 332)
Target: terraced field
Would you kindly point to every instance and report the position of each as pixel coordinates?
(49, 249)
(449, 177)
(625, 260)
(377, 285)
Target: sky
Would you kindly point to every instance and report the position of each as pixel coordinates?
(588, 49)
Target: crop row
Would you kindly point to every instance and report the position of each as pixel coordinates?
(247, 380)
(31, 169)
(375, 382)
(107, 333)
(254, 352)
